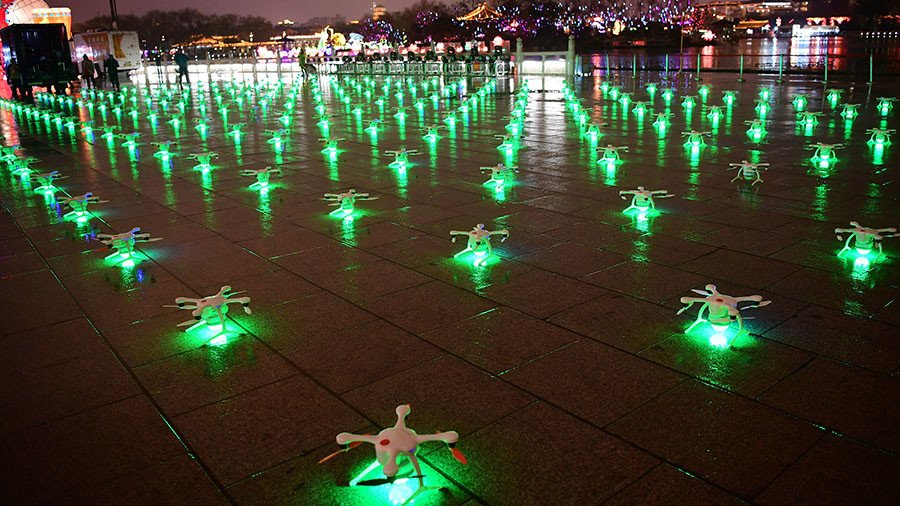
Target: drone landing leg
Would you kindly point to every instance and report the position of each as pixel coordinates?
(738, 333)
(463, 252)
(194, 326)
(698, 321)
(846, 245)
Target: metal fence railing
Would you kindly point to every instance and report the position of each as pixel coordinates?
(736, 62)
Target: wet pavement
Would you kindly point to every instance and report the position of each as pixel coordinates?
(561, 361)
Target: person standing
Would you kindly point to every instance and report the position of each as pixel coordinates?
(14, 78)
(112, 71)
(159, 70)
(87, 71)
(181, 60)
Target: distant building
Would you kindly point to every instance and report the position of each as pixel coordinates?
(378, 11)
(737, 10)
(483, 12)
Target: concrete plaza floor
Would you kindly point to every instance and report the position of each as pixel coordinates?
(563, 366)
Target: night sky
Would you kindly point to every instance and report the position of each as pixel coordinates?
(296, 10)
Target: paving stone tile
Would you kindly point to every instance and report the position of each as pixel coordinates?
(500, 339)
(585, 462)
(645, 280)
(445, 394)
(727, 440)
(749, 366)
(748, 270)
(852, 401)
(620, 321)
(205, 375)
(414, 309)
(264, 427)
(345, 358)
(837, 471)
(173, 481)
(668, 485)
(70, 454)
(588, 379)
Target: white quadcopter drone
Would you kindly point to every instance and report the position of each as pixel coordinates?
(479, 242)
(808, 118)
(824, 153)
(850, 111)
(865, 239)
(431, 132)
(46, 180)
(211, 311)
(401, 157)
(592, 131)
(642, 199)
(392, 443)
(500, 175)
(331, 144)
(749, 171)
(262, 176)
(721, 311)
(124, 243)
(22, 166)
(662, 119)
(203, 160)
(695, 138)
(880, 136)
(277, 137)
(507, 144)
(163, 149)
(611, 154)
(131, 140)
(757, 128)
(79, 205)
(372, 127)
(346, 201)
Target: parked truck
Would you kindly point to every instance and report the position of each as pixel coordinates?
(42, 53)
(124, 46)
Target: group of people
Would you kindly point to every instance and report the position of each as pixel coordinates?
(89, 72)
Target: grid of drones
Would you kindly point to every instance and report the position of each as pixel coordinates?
(111, 120)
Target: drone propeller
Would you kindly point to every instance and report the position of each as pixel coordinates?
(342, 450)
(701, 292)
(458, 455)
